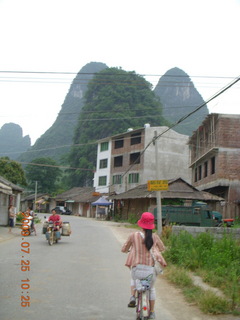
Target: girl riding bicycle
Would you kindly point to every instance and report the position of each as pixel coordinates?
(139, 245)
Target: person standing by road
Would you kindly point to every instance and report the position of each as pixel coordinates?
(11, 216)
(139, 245)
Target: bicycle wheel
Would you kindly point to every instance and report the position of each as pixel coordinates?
(50, 239)
(145, 305)
(142, 307)
(138, 306)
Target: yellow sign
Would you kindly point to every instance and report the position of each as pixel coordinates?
(157, 185)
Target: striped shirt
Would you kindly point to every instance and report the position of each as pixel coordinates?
(138, 252)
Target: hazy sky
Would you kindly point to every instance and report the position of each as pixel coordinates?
(201, 37)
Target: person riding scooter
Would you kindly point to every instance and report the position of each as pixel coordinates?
(57, 221)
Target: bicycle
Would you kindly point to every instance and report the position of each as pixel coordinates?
(142, 305)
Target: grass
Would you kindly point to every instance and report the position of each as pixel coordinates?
(216, 261)
(206, 301)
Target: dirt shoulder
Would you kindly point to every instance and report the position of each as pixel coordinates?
(170, 303)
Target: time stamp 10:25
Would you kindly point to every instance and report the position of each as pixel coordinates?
(25, 262)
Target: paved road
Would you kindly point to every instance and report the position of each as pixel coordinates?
(82, 277)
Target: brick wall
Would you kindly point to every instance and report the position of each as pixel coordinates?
(219, 137)
(228, 132)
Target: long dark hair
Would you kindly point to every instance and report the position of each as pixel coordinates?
(148, 239)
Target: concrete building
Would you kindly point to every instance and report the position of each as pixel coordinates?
(10, 194)
(127, 160)
(215, 160)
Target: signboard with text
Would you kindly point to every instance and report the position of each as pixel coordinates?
(157, 185)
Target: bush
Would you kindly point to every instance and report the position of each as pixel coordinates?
(133, 218)
(20, 216)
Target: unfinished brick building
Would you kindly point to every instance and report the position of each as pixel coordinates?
(215, 160)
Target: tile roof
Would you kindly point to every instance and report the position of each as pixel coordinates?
(10, 184)
(178, 188)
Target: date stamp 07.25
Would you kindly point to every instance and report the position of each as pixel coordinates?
(25, 262)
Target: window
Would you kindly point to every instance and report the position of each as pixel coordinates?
(199, 172)
(103, 163)
(212, 165)
(205, 169)
(134, 158)
(136, 138)
(117, 179)
(104, 146)
(118, 161)
(133, 178)
(102, 181)
(118, 143)
(195, 175)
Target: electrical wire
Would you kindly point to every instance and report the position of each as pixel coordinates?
(48, 165)
(94, 73)
(154, 139)
(182, 119)
(164, 81)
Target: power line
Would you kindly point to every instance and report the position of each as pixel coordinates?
(127, 72)
(176, 123)
(49, 165)
(163, 83)
(164, 77)
(182, 119)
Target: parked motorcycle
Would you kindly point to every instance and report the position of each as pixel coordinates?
(30, 225)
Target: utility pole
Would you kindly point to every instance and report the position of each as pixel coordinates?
(158, 193)
(35, 205)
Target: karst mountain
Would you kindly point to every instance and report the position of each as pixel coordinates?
(175, 92)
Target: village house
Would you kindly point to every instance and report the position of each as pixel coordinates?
(215, 160)
(10, 194)
(38, 202)
(79, 200)
(139, 199)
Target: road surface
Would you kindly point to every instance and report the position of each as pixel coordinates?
(81, 277)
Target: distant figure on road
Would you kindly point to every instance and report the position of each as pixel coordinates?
(139, 244)
(11, 216)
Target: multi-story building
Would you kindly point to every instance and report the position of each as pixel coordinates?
(126, 160)
(215, 159)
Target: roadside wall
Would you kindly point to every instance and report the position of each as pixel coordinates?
(217, 232)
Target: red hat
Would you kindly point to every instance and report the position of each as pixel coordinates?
(146, 221)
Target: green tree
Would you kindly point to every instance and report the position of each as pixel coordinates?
(115, 101)
(12, 171)
(46, 172)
